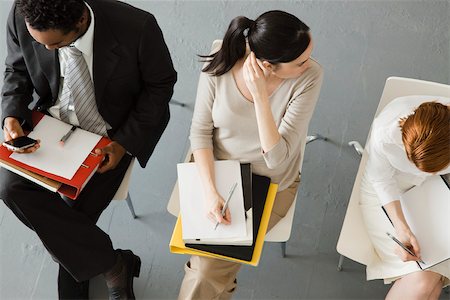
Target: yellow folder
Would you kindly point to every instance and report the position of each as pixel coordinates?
(177, 245)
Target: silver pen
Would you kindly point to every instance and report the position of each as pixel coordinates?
(67, 135)
(224, 208)
(403, 246)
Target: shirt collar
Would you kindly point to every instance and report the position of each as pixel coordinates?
(86, 43)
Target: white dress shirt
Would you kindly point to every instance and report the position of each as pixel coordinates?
(387, 162)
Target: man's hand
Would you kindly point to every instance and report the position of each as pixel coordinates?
(12, 130)
(113, 153)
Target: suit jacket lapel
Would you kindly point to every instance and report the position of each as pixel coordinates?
(49, 61)
(105, 58)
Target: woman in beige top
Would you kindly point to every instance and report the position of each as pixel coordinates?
(254, 102)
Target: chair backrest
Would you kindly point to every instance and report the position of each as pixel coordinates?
(122, 192)
(354, 241)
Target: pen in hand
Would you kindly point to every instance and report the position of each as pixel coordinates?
(224, 208)
(67, 135)
(403, 246)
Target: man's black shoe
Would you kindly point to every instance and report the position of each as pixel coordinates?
(120, 278)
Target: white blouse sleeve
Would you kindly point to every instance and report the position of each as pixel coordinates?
(380, 172)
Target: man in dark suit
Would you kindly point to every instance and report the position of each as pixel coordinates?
(130, 76)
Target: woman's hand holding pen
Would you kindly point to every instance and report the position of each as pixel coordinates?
(215, 211)
(405, 236)
(403, 232)
(113, 153)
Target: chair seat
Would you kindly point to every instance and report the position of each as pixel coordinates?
(281, 232)
(122, 192)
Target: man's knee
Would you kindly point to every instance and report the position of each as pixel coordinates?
(7, 183)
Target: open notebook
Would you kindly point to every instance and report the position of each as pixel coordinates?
(427, 211)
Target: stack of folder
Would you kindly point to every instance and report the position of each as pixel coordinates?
(258, 195)
(69, 185)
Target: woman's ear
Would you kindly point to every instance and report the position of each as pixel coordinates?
(268, 66)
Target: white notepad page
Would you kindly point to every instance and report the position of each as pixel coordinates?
(53, 158)
(194, 208)
(427, 211)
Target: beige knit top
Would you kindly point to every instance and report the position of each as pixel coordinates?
(225, 121)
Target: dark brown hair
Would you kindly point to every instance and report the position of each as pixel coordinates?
(426, 136)
(275, 36)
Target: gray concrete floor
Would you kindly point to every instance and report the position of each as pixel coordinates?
(308, 272)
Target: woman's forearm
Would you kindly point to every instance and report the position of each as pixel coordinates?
(204, 159)
(267, 129)
(395, 213)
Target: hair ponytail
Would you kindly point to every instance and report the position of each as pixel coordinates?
(275, 36)
(233, 48)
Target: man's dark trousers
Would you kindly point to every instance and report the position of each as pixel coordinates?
(69, 233)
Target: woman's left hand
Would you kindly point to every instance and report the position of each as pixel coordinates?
(254, 77)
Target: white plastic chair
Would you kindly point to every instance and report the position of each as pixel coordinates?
(122, 193)
(280, 233)
(354, 241)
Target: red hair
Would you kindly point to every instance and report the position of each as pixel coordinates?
(426, 136)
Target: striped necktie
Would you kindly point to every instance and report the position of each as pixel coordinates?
(78, 94)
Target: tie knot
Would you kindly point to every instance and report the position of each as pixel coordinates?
(73, 51)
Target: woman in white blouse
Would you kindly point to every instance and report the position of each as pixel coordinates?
(255, 99)
(410, 141)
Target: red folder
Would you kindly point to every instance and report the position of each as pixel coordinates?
(70, 188)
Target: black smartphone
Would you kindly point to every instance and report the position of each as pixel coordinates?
(20, 143)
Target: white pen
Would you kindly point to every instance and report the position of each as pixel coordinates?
(224, 208)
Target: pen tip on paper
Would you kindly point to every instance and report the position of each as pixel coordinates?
(61, 143)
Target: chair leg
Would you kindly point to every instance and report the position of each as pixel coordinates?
(341, 261)
(130, 206)
(283, 249)
(175, 102)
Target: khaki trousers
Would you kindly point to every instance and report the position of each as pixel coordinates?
(209, 278)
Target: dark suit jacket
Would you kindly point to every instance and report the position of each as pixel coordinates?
(132, 72)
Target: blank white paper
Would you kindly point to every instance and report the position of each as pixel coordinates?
(427, 211)
(53, 158)
(194, 207)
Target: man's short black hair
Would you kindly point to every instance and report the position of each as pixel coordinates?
(51, 14)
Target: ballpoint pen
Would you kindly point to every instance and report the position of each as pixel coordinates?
(224, 208)
(67, 135)
(403, 246)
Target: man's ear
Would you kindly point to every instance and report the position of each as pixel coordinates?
(84, 17)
